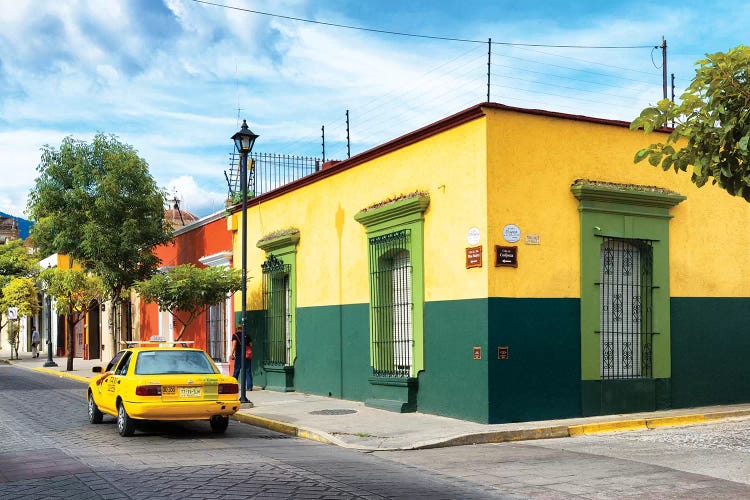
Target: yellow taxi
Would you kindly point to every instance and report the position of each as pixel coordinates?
(156, 380)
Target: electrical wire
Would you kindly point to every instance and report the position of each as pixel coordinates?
(375, 118)
(415, 35)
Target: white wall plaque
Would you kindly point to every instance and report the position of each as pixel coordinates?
(511, 233)
(473, 236)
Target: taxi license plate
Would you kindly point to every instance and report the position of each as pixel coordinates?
(190, 392)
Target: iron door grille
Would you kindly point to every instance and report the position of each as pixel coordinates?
(391, 304)
(277, 305)
(626, 292)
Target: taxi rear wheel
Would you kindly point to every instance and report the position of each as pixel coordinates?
(125, 424)
(219, 424)
(95, 416)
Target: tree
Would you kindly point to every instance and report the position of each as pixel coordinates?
(712, 124)
(99, 204)
(16, 260)
(74, 292)
(189, 289)
(21, 294)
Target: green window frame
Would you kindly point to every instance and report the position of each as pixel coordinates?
(280, 296)
(395, 233)
(635, 214)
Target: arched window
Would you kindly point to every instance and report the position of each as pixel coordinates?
(392, 305)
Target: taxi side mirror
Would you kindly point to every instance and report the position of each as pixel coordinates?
(96, 369)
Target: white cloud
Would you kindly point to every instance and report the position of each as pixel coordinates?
(173, 92)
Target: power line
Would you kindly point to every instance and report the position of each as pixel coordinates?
(415, 35)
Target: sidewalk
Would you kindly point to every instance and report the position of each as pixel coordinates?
(350, 424)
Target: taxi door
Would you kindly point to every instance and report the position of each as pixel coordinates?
(112, 384)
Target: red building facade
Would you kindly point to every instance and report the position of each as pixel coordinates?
(203, 243)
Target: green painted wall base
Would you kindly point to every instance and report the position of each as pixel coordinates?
(710, 351)
(280, 378)
(605, 397)
(541, 377)
(393, 394)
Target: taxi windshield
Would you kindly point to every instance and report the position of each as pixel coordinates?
(178, 361)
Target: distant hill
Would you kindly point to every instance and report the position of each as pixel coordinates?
(23, 225)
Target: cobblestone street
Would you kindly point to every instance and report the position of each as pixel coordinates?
(49, 450)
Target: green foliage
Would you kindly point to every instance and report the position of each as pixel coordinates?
(189, 289)
(16, 261)
(22, 294)
(712, 125)
(99, 204)
(73, 290)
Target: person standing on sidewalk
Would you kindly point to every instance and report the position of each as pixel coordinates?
(35, 339)
(236, 348)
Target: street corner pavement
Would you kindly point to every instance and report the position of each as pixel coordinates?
(352, 424)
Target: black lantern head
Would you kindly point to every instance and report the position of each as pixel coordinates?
(244, 139)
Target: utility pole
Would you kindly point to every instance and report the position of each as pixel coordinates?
(489, 61)
(664, 65)
(348, 143)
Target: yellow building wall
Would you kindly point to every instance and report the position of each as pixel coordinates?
(533, 160)
(332, 253)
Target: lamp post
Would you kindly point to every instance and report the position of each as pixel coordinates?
(49, 362)
(243, 141)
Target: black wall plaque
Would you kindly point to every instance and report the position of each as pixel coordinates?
(506, 256)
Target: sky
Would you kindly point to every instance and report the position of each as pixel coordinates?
(175, 78)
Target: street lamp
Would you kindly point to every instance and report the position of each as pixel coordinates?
(49, 362)
(243, 141)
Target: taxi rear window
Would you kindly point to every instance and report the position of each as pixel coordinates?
(168, 362)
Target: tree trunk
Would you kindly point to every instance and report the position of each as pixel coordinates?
(71, 341)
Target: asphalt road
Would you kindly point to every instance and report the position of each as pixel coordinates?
(49, 450)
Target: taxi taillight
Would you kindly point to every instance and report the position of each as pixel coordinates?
(229, 388)
(148, 390)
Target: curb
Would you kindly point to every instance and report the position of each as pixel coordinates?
(284, 428)
(654, 423)
(552, 432)
(62, 374)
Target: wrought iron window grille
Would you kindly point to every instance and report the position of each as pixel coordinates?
(391, 306)
(278, 314)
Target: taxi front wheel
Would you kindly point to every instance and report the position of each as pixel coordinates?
(219, 424)
(125, 424)
(95, 416)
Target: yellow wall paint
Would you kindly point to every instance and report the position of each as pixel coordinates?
(332, 266)
(506, 168)
(534, 160)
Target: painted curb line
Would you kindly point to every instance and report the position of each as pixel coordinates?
(62, 374)
(289, 429)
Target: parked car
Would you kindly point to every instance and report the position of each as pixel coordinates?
(162, 381)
